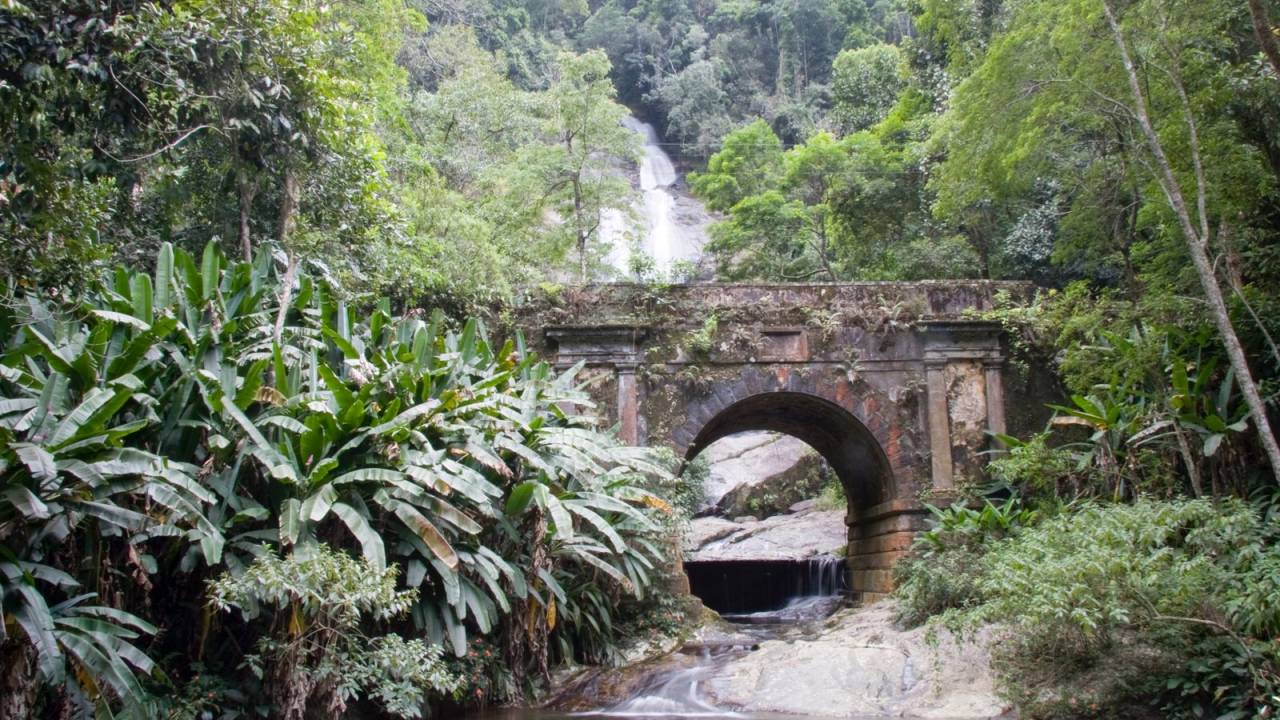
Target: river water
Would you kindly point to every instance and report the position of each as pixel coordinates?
(668, 225)
(676, 687)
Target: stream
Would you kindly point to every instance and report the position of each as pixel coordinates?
(675, 687)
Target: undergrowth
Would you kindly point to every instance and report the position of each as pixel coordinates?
(1162, 608)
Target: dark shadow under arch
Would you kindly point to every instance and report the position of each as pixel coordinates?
(840, 438)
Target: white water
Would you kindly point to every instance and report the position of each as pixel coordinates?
(677, 692)
(670, 226)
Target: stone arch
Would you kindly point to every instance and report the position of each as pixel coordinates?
(843, 440)
(850, 427)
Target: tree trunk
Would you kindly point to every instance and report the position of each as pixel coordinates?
(1197, 242)
(580, 228)
(1266, 36)
(286, 296)
(288, 205)
(1189, 459)
(17, 679)
(247, 191)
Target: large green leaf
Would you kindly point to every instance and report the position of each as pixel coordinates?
(452, 515)
(422, 527)
(370, 541)
(33, 616)
(111, 514)
(520, 497)
(164, 276)
(581, 509)
(317, 505)
(96, 404)
(210, 269)
(26, 502)
(39, 462)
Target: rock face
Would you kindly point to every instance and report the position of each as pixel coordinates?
(761, 474)
(861, 665)
(794, 536)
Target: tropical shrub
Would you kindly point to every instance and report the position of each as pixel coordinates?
(1117, 609)
(80, 493)
(1151, 408)
(316, 654)
(942, 571)
(195, 418)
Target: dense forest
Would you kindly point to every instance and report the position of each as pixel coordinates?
(259, 458)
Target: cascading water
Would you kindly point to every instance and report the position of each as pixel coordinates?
(813, 590)
(671, 227)
(745, 587)
(674, 693)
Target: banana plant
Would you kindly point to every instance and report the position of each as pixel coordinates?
(71, 471)
(410, 442)
(202, 410)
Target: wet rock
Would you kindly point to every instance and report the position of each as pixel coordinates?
(860, 664)
(597, 687)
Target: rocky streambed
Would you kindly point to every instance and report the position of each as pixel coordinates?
(853, 664)
(858, 664)
(769, 557)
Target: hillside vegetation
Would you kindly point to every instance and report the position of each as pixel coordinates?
(259, 457)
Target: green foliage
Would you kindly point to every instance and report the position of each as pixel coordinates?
(489, 172)
(942, 572)
(964, 526)
(74, 400)
(749, 162)
(865, 85)
(1037, 468)
(683, 491)
(1151, 409)
(832, 495)
(315, 599)
(1113, 607)
(191, 121)
(702, 341)
(189, 419)
(927, 586)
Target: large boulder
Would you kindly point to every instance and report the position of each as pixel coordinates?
(794, 536)
(761, 474)
(861, 665)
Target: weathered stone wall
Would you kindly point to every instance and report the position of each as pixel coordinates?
(895, 384)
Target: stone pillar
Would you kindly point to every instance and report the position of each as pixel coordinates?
(605, 347)
(966, 350)
(628, 403)
(939, 424)
(995, 396)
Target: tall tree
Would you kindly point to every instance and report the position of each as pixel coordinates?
(586, 124)
(1196, 231)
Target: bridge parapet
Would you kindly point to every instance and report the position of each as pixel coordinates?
(864, 302)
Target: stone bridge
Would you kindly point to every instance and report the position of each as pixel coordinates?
(894, 384)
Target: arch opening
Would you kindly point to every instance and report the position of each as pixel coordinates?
(847, 445)
(744, 565)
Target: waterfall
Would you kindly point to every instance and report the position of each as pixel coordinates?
(811, 589)
(825, 577)
(671, 226)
